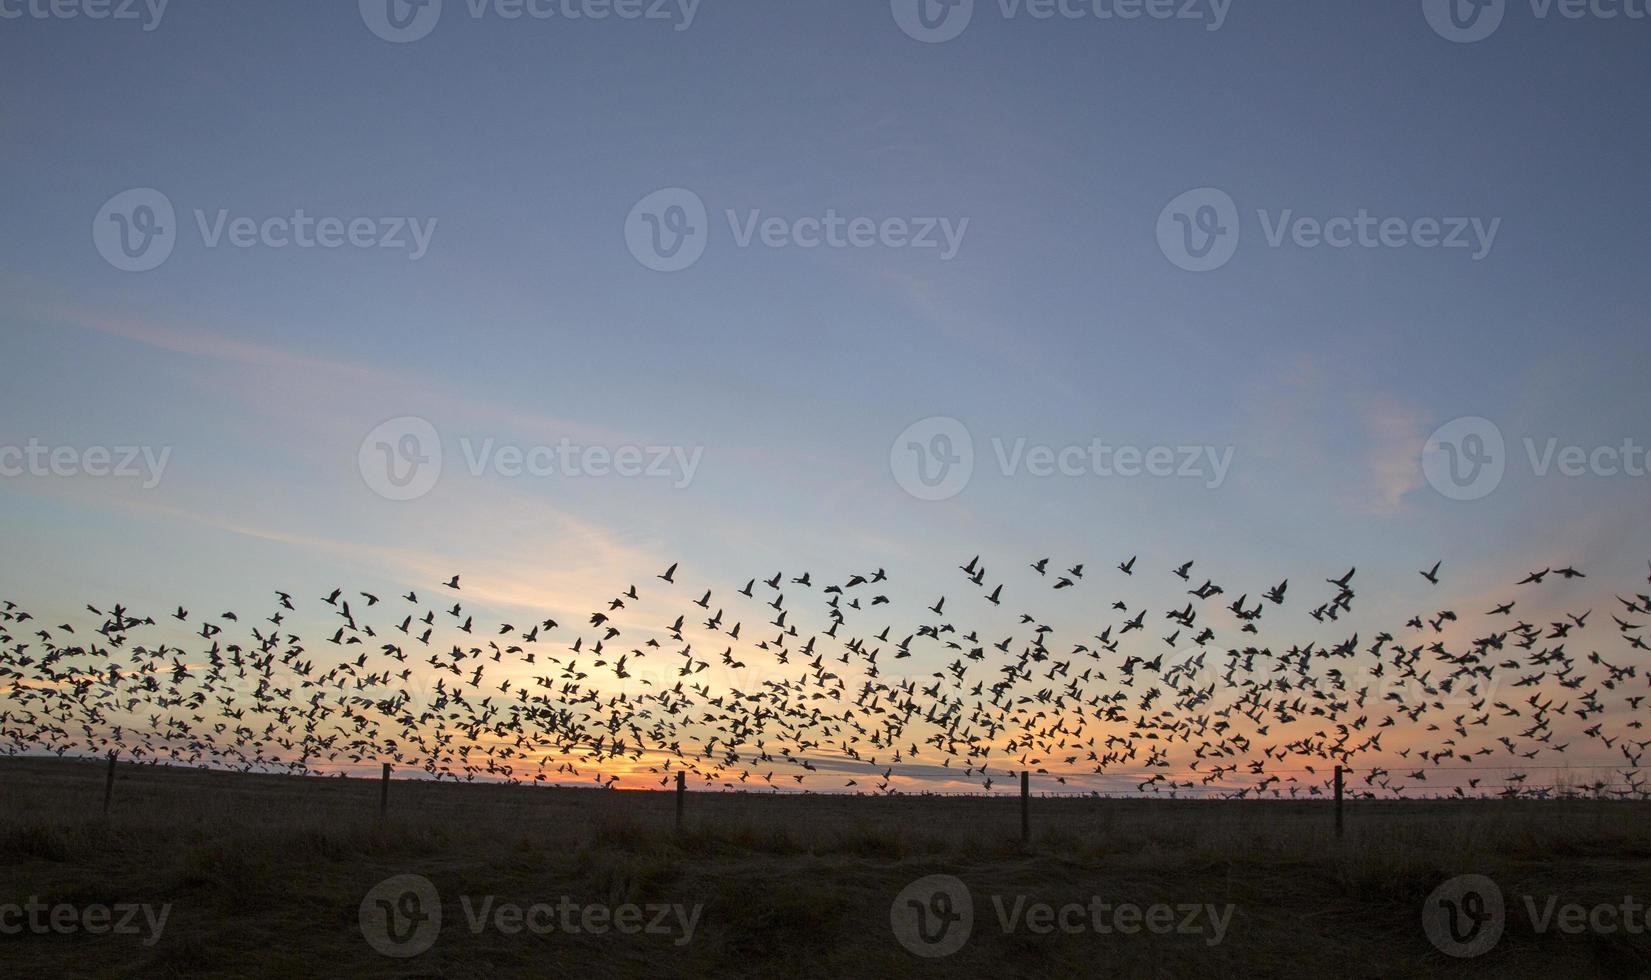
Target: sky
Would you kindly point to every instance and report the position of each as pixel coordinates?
(996, 238)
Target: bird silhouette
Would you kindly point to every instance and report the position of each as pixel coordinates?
(1226, 702)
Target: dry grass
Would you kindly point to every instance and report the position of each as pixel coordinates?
(265, 876)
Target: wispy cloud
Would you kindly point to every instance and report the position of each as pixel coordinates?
(1393, 436)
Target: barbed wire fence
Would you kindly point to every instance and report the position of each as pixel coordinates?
(1338, 789)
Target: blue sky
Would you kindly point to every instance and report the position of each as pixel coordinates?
(1059, 321)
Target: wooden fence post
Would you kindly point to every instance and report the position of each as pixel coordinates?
(384, 794)
(109, 783)
(681, 795)
(1025, 807)
(1338, 803)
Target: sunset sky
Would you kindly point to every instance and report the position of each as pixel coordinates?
(788, 374)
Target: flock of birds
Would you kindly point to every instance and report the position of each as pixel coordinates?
(1188, 699)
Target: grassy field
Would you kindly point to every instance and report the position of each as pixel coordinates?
(266, 876)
